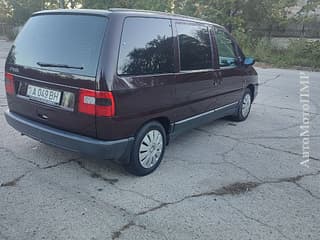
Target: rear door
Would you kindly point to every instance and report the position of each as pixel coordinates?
(54, 57)
(196, 81)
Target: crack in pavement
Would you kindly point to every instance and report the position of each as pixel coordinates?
(59, 163)
(269, 80)
(18, 157)
(36, 164)
(243, 169)
(189, 161)
(233, 189)
(238, 141)
(257, 220)
(255, 144)
(307, 191)
(223, 162)
(281, 150)
(94, 174)
(117, 234)
(112, 182)
(284, 108)
(224, 158)
(313, 115)
(13, 183)
(281, 137)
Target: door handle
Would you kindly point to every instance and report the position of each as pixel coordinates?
(217, 78)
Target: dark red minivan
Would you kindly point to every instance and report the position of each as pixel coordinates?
(118, 84)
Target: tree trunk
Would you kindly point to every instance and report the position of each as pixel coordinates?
(61, 3)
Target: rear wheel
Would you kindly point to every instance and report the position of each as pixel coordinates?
(244, 106)
(148, 149)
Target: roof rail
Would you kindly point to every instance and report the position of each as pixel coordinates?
(151, 11)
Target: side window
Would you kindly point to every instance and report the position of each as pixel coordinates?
(225, 45)
(146, 47)
(195, 47)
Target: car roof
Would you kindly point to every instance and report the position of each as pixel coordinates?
(125, 12)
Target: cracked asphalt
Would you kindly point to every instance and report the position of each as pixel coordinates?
(223, 180)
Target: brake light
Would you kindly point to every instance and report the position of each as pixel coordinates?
(9, 83)
(98, 103)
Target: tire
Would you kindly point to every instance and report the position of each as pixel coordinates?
(148, 149)
(244, 107)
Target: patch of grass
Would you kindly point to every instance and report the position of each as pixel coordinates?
(299, 53)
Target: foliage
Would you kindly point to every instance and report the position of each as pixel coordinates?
(301, 52)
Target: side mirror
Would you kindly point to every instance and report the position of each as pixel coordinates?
(249, 61)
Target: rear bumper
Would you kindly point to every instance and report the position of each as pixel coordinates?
(116, 150)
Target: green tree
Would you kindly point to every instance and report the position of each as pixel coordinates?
(238, 14)
(22, 10)
(5, 11)
(266, 14)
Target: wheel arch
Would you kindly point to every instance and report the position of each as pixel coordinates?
(164, 121)
(252, 90)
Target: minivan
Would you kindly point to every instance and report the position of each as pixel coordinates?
(118, 84)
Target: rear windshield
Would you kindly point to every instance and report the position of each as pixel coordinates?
(73, 41)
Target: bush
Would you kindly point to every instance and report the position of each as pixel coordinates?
(304, 53)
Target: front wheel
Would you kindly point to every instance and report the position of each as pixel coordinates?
(244, 107)
(148, 149)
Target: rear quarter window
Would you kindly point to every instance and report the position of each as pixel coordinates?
(194, 46)
(146, 47)
(73, 40)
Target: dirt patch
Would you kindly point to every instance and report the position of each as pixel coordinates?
(237, 188)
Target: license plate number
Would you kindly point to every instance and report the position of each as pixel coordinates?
(44, 94)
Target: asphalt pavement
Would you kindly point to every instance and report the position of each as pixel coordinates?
(223, 180)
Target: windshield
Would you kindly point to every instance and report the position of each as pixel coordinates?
(59, 41)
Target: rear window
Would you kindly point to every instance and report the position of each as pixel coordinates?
(70, 40)
(195, 47)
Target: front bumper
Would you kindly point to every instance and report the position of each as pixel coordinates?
(116, 150)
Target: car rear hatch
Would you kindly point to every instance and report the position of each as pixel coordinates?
(51, 71)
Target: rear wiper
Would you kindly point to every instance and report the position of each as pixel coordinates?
(42, 64)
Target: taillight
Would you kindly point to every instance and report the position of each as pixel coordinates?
(9, 83)
(96, 103)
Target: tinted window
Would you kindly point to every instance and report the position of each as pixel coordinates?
(73, 40)
(225, 45)
(195, 50)
(146, 47)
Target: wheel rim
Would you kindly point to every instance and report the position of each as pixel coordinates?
(151, 148)
(246, 104)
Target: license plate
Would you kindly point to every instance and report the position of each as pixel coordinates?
(44, 94)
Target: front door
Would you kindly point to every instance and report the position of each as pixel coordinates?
(232, 76)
